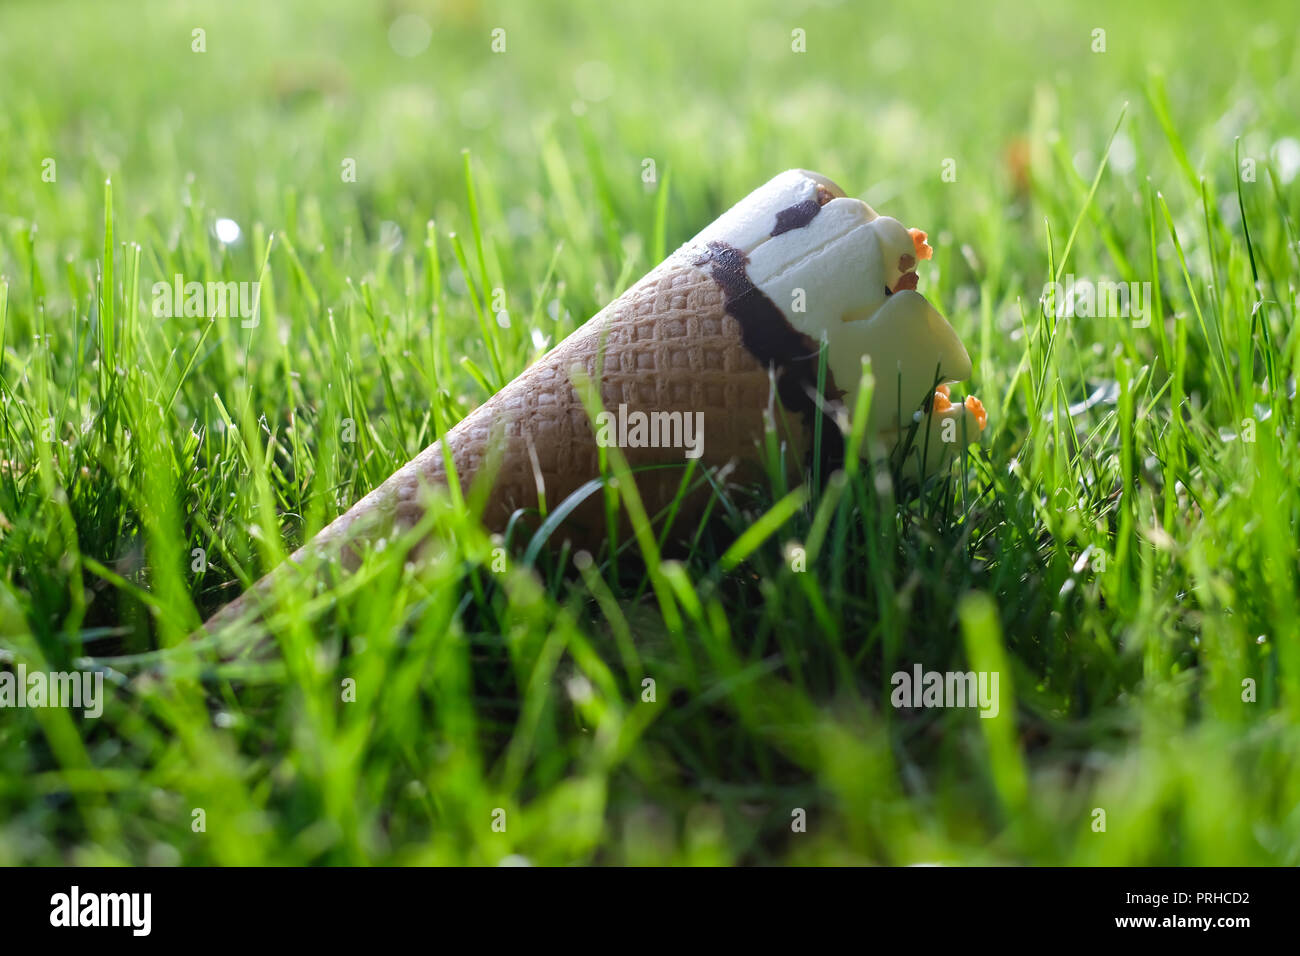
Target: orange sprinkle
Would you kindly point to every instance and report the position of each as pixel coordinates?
(923, 250)
(977, 409)
(941, 401)
(946, 389)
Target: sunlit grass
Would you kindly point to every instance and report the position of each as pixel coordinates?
(1126, 566)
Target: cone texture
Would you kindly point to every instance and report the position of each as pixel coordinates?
(668, 346)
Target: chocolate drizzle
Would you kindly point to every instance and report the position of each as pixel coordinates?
(796, 216)
(769, 337)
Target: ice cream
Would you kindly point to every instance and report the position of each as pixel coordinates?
(726, 330)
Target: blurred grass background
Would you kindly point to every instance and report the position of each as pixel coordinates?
(1132, 562)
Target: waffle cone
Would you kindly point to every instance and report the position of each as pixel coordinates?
(666, 345)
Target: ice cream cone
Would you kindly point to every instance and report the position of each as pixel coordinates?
(702, 353)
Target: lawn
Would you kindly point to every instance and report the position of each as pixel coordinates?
(1121, 548)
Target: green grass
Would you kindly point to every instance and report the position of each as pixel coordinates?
(1124, 568)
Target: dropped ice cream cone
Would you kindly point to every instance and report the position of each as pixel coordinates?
(695, 359)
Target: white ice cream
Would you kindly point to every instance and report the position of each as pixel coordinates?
(845, 275)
